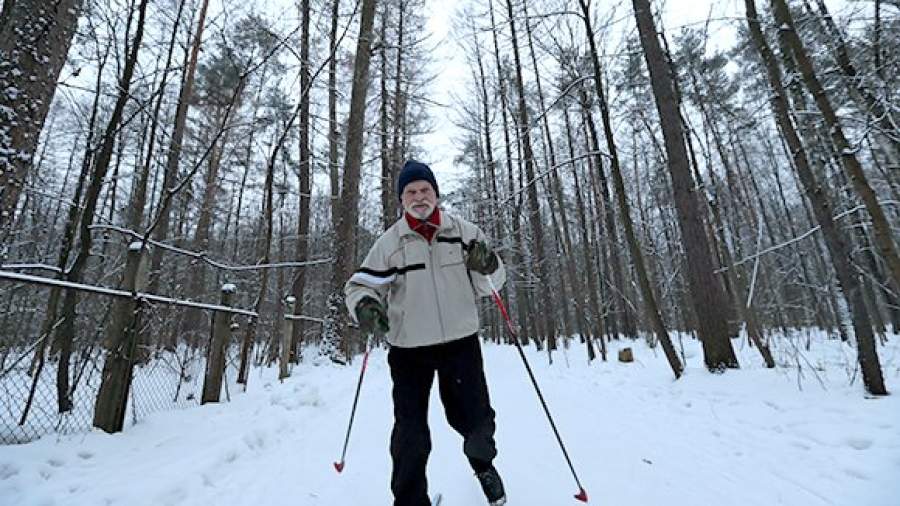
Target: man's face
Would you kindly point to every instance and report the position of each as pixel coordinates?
(419, 199)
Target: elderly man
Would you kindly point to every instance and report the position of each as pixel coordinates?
(419, 286)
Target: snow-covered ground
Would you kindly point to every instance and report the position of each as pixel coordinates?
(636, 437)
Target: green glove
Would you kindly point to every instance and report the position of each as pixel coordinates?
(372, 316)
(481, 258)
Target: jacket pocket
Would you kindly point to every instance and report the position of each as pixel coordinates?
(450, 254)
(396, 315)
(458, 293)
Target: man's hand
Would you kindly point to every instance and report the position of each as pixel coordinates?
(372, 316)
(481, 258)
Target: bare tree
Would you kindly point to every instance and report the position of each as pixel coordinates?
(345, 250)
(109, 410)
(334, 133)
(298, 288)
(173, 155)
(710, 304)
(35, 36)
(883, 235)
(534, 208)
(651, 308)
(867, 353)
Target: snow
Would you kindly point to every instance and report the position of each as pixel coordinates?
(748, 437)
(15, 276)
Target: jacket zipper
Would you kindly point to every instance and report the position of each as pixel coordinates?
(434, 285)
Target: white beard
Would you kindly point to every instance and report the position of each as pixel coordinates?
(416, 214)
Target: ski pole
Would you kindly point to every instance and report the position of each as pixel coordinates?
(339, 466)
(582, 494)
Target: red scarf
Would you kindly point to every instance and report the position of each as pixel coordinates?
(426, 228)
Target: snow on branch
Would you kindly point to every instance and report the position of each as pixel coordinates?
(203, 257)
(101, 290)
(802, 236)
(303, 317)
(541, 175)
(26, 267)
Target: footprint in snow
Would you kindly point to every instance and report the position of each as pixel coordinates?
(855, 473)
(255, 440)
(858, 443)
(45, 473)
(85, 455)
(774, 406)
(800, 445)
(7, 471)
(229, 456)
(56, 462)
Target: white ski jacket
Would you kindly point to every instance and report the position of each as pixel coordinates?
(430, 295)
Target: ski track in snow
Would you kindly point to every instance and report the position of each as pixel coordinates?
(636, 436)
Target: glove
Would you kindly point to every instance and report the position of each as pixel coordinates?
(481, 258)
(372, 316)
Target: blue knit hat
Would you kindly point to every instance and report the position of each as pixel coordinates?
(415, 171)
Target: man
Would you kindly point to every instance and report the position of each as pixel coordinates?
(419, 286)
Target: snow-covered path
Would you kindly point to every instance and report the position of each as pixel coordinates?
(636, 437)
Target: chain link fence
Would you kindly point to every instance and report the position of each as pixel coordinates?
(164, 378)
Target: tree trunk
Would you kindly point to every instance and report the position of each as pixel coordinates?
(139, 197)
(345, 251)
(534, 208)
(121, 346)
(399, 115)
(194, 321)
(35, 37)
(563, 242)
(298, 288)
(593, 291)
(217, 352)
(650, 305)
(388, 194)
(511, 213)
(264, 254)
(706, 293)
(578, 292)
(161, 230)
(735, 283)
(334, 133)
(65, 333)
(490, 163)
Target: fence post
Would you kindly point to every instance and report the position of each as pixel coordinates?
(121, 345)
(215, 358)
(287, 333)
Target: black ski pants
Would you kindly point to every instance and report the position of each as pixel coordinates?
(464, 394)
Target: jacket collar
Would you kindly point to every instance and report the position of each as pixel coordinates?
(447, 223)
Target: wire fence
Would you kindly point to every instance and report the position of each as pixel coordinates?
(170, 380)
(163, 378)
